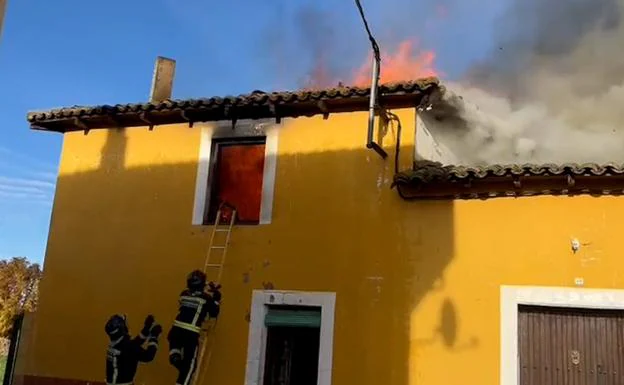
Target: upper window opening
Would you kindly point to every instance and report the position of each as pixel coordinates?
(236, 178)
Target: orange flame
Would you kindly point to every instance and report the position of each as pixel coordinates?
(404, 65)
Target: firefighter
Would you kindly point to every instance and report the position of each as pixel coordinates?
(124, 353)
(195, 304)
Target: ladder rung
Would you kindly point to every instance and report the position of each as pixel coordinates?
(214, 265)
(222, 230)
(217, 247)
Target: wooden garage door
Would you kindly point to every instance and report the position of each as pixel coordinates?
(560, 346)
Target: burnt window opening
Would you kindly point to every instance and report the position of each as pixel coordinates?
(236, 177)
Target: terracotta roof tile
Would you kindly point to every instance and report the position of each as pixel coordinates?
(425, 172)
(433, 180)
(255, 105)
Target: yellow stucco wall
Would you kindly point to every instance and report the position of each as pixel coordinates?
(121, 240)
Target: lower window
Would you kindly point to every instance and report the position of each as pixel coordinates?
(292, 346)
(290, 338)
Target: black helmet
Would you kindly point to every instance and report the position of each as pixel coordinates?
(116, 327)
(196, 280)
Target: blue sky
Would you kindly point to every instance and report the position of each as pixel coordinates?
(71, 52)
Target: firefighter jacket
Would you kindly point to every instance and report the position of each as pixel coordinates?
(193, 309)
(124, 355)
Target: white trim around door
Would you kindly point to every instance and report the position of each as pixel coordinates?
(513, 296)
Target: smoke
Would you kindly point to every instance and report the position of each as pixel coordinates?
(550, 90)
(306, 43)
(318, 33)
(321, 43)
(555, 88)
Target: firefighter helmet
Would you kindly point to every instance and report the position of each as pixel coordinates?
(116, 326)
(196, 280)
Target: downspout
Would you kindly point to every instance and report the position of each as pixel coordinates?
(370, 143)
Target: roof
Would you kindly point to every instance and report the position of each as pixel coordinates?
(255, 105)
(430, 180)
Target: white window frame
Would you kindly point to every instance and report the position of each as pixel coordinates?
(245, 128)
(256, 348)
(513, 296)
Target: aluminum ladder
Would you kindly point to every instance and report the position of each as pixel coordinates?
(219, 248)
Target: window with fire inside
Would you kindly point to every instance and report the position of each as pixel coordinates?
(235, 179)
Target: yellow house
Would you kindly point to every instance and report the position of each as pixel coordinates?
(418, 273)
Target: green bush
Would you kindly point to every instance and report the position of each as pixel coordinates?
(2, 366)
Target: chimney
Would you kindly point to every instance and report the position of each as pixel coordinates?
(2, 10)
(162, 81)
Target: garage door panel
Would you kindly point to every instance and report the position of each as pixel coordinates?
(570, 346)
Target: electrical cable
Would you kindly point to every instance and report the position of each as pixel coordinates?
(370, 35)
(393, 117)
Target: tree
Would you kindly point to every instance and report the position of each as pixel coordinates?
(19, 290)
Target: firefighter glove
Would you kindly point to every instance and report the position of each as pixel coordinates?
(216, 295)
(155, 331)
(147, 325)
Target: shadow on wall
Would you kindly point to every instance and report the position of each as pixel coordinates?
(113, 154)
(446, 332)
(121, 240)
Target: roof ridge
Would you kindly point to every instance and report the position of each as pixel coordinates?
(390, 86)
(254, 105)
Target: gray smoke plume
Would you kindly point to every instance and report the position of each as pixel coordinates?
(317, 32)
(306, 44)
(552, 90)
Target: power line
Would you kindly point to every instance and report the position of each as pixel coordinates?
(368, 31)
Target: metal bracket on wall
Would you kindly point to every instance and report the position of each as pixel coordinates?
(377, 148)
(370, 143)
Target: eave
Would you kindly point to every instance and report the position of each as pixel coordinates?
(429, 180)
(256, 105)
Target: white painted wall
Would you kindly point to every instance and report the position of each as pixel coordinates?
(428, 146)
